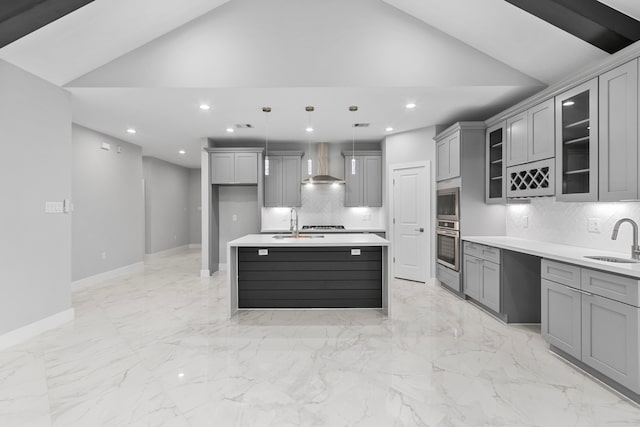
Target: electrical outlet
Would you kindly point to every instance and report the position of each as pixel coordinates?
(594, 225)
(525, 222)
(234, 217)
(103, 255)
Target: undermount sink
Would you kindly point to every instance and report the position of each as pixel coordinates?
(299, 236)
(613, 259)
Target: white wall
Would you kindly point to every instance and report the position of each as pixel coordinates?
(411, 147)
(109, 207)
(241, 201)
(567, 223)
(195, 207)
(35, 167)
(166, 205)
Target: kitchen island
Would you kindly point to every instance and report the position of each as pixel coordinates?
(269, 271)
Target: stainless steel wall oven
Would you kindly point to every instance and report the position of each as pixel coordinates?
(448, 244)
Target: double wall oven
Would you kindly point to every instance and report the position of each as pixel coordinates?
(448, 228)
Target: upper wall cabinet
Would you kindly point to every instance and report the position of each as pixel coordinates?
(234, 167)
(530, 134)
(496, 166)
(282, 185)
(364, 188)
(577, 143)
(448, 157)
(618, 142)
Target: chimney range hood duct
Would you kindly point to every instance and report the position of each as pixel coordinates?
(323, 177)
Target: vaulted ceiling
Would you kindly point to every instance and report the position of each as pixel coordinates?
(149, 64)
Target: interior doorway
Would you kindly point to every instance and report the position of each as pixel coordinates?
(411, 221)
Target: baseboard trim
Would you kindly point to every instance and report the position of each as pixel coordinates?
(27, 332)
(166, 252)
(205, 273)
(92, 280)
(222, 267)
(195, 246)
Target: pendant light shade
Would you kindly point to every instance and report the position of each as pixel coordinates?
(266, 110)
(309, 109)
(353, 109)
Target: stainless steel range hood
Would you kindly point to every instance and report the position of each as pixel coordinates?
(323, 177)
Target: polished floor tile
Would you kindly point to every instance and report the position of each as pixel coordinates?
(156, 349)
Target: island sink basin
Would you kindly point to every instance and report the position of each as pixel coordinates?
(613, 259)
(299, 236)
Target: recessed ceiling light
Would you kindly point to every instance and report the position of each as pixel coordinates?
(205, 107)
(230, 130)
(309, 129)
(182, 152)
(389, 129)
(410, 105)
(568, 103)
(131, 130)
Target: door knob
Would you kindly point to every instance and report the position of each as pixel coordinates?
(420, 229)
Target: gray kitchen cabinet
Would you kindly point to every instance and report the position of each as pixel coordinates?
(618, 138)
(490, 288)
(229, 167)
(531, 134)
(222, 168)
(246, 168)
(598, 323)
(495, 190)
(448, 157)
(610, 339)
(472, 276)
(282, 185)
(481, 274)
(577, 143)
(517, 139)
(541, 131)
(561, 317)
(364, 188)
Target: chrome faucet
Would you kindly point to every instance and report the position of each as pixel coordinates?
(635, 249)
(293, 223)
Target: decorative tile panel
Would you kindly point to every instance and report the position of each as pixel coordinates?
(567, 223)
(324, 204)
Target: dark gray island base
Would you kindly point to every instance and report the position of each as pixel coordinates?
(323, 277)
(336, 271)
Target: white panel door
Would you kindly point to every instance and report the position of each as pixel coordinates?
(411, 224)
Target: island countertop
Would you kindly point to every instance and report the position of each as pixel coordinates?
(330, 239)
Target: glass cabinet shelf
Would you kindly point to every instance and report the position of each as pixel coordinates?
(576, 143)
(495, 166)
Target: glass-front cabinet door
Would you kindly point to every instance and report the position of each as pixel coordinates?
(496, 166)
(577, 143)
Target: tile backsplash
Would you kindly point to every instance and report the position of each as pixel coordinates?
(567, 223)
(324, 205)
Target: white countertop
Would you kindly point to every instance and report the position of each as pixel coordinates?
(346, 230)
(331, 239)
(564, 253)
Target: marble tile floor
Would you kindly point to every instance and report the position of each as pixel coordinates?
(155, 349)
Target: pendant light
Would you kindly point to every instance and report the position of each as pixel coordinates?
(266, 148)
(353, 108)
(309, 109)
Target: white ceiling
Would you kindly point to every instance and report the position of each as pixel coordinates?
(149, 64)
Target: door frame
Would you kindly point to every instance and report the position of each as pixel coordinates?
(429, 212)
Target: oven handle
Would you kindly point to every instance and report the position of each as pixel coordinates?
(449, 233)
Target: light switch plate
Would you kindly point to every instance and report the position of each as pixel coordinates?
(525, 222)
(594, 225)
(263, 252)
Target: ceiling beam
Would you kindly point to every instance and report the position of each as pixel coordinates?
(590, 20)
(19, 18)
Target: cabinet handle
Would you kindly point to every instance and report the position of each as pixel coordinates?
(419, 229)
(579, 291)
(586, 293)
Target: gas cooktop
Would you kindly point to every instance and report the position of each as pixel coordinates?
(323, 227)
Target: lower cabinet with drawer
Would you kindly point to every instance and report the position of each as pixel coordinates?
(592, 317)
(505, 282)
